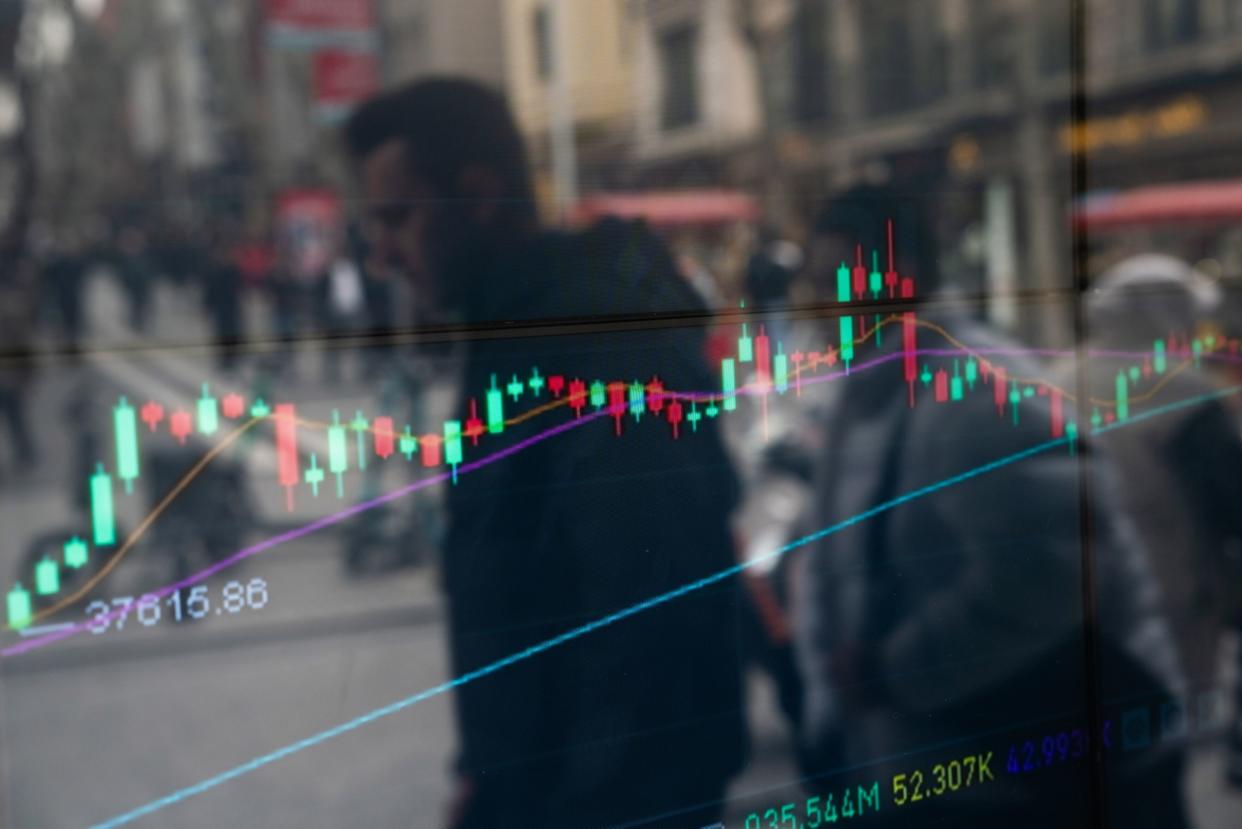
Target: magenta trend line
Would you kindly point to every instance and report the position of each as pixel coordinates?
(337, 517)
(37, 642)
(305, 530)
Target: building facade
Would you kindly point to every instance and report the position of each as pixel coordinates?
(424, 37)
(569, 75)
(972, 98)
(697, 81)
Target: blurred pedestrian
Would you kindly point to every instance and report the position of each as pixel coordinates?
(133, 268)
(180, 255)
(643, 720)
(64, 275)
(381, 301)
(961, 613)
(222, 287)
(341, 300)
(255, 260)
(18, 303)
(772, 268)
(1178, 465)
(1179, 480)
(770, 275)
(286, 294)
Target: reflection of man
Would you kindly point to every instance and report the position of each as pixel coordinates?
(641, 720)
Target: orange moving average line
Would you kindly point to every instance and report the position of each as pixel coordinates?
(146, 523)
(143, 526)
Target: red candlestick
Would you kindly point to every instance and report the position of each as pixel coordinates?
(152, 413)
(763, 361)
(655, 395)
(674, 417)
(909, 345)
(180, 425)
(1000, 390)
(474, 426)
(577, 397)
(1058, 414)
(616, 403)
(232, 406)
(430, 448)
(287, 450)
(383, 437)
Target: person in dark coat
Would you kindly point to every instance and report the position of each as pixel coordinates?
(641, 721)
(222, 287)
(1180, 480)
(17, 315)
(953, 623)
(134, 272)
(64, 275)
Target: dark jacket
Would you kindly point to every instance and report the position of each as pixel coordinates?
(957, 617)
(645, 715)
(1179, 479)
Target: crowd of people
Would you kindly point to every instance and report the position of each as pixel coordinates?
(225, 276)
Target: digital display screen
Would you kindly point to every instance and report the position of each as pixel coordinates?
(705, 415)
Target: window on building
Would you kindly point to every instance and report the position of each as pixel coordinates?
(910, 49)
(810, 61)
(932, 59)
(1054, 37)
(992, 27)
(887, 32)
(541, 24)
(625, 33)
(679, 61)
(1153, 23)
(1169, 23)
(414, 36)
(1187, 21)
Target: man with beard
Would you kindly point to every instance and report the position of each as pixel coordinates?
(639, 722)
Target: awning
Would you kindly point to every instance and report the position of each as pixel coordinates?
(1209, 201)
(670, 208)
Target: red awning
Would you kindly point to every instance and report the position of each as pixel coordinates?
(670, 208)
(1210, 201)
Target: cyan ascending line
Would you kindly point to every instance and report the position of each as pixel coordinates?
(633, 610)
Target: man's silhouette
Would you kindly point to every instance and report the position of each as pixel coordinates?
(640, 722)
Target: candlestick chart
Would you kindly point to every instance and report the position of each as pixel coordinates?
(876, 330)
(758, 368)
(1054, 444)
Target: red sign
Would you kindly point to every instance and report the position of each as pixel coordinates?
(309, 227)
(343, 78)
(321, 15)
